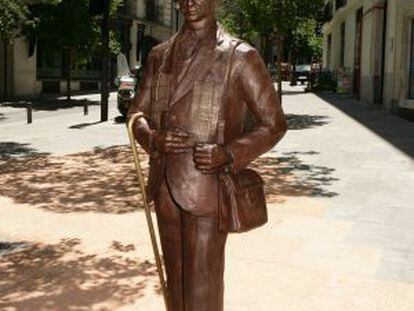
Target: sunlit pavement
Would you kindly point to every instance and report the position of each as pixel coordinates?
(340, 235)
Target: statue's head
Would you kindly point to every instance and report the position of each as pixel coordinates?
(198, 10)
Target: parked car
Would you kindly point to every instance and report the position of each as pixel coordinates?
(303, 73)
(126, 82)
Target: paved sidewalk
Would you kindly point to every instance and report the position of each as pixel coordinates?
(60, 131)
(340, 235)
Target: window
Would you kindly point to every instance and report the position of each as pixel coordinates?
(342, 60)
(411, 79)
(158, 11)
(53, 66)
(151, 10)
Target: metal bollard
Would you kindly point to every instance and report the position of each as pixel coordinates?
(29, 113)
(85, 109)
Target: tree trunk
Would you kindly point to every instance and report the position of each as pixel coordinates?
(292, 60)
(5, 93)
(105, 62)
(268, 50)
(279, 42)
(68, 74)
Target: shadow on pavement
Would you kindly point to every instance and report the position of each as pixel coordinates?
(61, 277)
(120, 119)
(304, 121)
(2, 117)
(83, 125)
(13, 149)
(104, 180)
(48, 104)
(7, 247)
(117, 120)
(291, 93)
(397, 131)
(288, 176)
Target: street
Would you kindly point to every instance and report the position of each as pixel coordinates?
(341, 214)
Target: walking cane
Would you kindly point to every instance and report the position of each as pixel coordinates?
(150, 223)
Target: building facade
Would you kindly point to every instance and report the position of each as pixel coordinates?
(371, 43)
(25, 71)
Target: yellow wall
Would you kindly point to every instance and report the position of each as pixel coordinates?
(401, 14)
(371, 52)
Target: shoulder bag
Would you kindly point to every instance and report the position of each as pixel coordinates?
(242, 202)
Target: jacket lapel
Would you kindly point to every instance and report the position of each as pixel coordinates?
(196, 70)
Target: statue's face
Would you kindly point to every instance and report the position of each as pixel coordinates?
(197, 10)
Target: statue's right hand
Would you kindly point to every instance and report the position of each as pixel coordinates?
(171, 141)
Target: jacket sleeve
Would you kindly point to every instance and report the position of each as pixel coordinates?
(142, 103)
(258, 92)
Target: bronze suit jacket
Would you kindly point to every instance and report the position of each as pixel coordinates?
(250, 89)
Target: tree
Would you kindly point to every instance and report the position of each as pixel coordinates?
(13, 13)
(66, 26)
(274, 20)
(232, 17)
(304, 43)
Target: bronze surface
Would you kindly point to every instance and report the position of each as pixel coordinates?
(180, 93)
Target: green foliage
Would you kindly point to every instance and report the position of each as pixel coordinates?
(114, 44)
(245, 19)
(304, 41)
(276, 20)
(231, 17)
(114, 5)
(12, 14)
(15, 16)
(65, 25)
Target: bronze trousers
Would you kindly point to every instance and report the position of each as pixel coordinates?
(193, 250)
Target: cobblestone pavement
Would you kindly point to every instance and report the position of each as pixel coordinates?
(340, 235)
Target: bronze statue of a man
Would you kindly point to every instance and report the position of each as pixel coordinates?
(182, 96)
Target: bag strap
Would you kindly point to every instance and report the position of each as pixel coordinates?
(222, 112)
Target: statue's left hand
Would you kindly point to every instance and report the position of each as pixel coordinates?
(210, 158)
